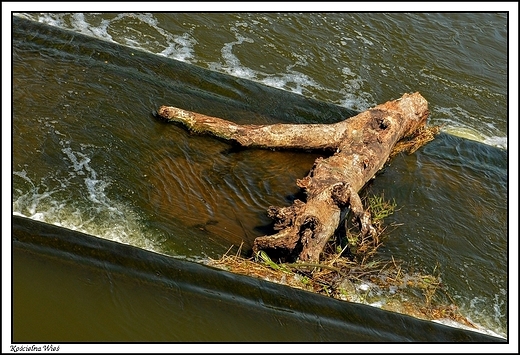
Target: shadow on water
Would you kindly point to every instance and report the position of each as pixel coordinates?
(94, 101)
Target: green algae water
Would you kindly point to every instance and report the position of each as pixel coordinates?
(89, 155)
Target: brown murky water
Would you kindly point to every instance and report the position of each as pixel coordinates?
(89, 155)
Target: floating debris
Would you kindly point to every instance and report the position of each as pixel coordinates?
(350, 271)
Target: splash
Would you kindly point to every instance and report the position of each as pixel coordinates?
(460, 130)
(353, 96)
(144, 31)
(78, 201)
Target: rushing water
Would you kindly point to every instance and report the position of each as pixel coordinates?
(89, 155)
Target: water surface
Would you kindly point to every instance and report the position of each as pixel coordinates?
(89, 155)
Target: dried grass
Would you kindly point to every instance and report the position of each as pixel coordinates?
(361, 277)
(419, 138)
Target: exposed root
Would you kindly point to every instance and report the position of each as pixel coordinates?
(419, 138)
(349, 271)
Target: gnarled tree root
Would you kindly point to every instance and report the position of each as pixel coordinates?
(362, 145)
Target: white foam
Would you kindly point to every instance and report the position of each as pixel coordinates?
(78, 23)
(470, 133)
(177, 46)
(500, 142)
(356, 101)
(181, 48)
(482, 320)
(363, 287)
(377, 304)
(293, 81)
(88, 209)
(464, 132)
(232, 65)
(94, 186)
(461, 123)
(478, 329)
(354, 97)
(51, 19)
(101, 216)
(116, 222)
(275, 81)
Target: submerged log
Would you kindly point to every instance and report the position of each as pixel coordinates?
(361, 145)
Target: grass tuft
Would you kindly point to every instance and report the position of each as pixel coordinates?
(350, 270)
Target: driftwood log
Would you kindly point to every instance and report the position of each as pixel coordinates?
(361, 145)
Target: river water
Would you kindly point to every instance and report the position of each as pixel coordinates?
(89, 155)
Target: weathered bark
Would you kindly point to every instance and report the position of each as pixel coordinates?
(362, 145)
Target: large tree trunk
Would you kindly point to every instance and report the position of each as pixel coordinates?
(362, 145)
